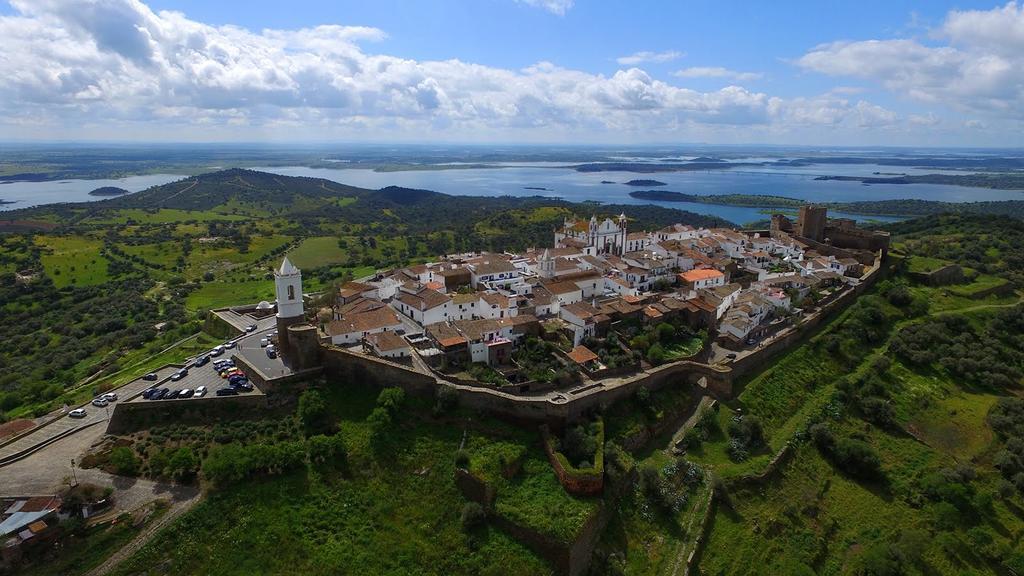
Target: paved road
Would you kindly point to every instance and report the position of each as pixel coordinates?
(65, 423)
(249, 347)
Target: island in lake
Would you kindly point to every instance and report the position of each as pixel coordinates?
(537, 188)
(2, 201)
(607, 182)
(995, 180)
(109, 191)
(642, 182)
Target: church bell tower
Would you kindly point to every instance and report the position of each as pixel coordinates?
(288, 285)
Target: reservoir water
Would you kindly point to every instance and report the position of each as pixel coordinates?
(555, 180)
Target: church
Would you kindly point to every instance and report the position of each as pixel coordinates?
(593, 238)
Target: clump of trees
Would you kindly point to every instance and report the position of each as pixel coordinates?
(668, 487)
(1006, 418)
(991, 356)
(854, 457)
(746, 434)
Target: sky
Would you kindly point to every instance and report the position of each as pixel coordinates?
(821, 72)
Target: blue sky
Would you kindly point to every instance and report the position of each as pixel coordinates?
(791, 72)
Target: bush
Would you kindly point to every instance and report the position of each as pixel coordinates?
(124, 461)
(447, 400)
(749, 431)
(578, 445)
(391, 399)
(473, 515)
(313, 413)
(858, 458)
(183, 462)
(328, 450)
(462, 459)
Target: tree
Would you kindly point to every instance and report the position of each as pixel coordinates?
(124, 461)
(326, 449)
(391, 399)
(183, 462)
(313, 413)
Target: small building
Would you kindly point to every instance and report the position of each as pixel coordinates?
(388, 345)
(353, 328)
(702, 278)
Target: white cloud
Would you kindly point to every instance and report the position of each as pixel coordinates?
(716, 72)
(646, 56)
(558, 7)
(115, 68)
(980, 68)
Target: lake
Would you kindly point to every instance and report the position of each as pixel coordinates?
(512, 179)
(28, 194)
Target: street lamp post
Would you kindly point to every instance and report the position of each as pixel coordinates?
(73, 475)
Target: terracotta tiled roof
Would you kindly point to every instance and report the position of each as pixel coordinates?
(387, 341)
(703, 274)
(582, 355)
(383, 317)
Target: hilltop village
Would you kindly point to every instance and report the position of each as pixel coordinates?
(602, 301)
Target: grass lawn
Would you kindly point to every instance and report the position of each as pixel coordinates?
(683, 349)
(924, 264)
(73, 260)
(318, 251)
(218, 294)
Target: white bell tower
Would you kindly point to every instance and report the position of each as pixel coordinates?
(547, 265)
(288, 284)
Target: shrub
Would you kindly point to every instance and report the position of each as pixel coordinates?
(182, 462)
(313, 413)
(326, 449)
(472, 515)
(578, 445)
(124, 461)
(391, 399)
(749, 431)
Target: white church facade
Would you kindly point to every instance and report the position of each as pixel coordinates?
(593, 238)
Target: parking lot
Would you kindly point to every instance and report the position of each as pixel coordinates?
(256, 355)
(205, 375)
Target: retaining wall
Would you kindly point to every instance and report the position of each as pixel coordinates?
(132, 416)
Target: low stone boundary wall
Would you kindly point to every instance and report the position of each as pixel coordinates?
(578, 482)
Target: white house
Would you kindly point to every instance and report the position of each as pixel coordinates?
(423, 305)
(354, 327)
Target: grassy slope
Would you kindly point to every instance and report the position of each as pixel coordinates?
(394, 510)
(814, 519)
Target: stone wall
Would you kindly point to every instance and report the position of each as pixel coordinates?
(339, 362)
(577, 482)
(129, 417)
(944, 276)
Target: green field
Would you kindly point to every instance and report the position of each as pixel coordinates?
(73, 260)
(161, 216)
(219, 294)
(318, 251)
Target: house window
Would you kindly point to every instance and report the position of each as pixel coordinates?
(291, 292)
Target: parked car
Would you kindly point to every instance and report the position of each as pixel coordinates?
(160, 394)
(201, 361)
(236, 379)
(110, 397)
(731, 356)
(77, 413)
(250, 328)
(171, 395)
(100, 402)
(179, 374)
(217, 351)
(148, 393)
(229, 344)
(185, 393)
(271, 352)
(751, 341)
(264, 342)
(151, 376)
(244, 385)
(200, 391)
(227, 392)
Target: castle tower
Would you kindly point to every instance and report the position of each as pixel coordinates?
(811, 221)
(288, 286)
(546, 265)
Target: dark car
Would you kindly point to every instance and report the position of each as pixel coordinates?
(149, 392)
(236, 378)
(186, 393)
(159, 394)
(271, 353)
(227, 392)
(171, 395)
(179, 375)
(151, 376)
(731, 356)
(244, 385)
(202, 360)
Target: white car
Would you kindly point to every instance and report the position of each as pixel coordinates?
(100, 402)
(200, 391)
(229, 344)
(77, 413)
(264, 342)
(217, 351)
(109, 397)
